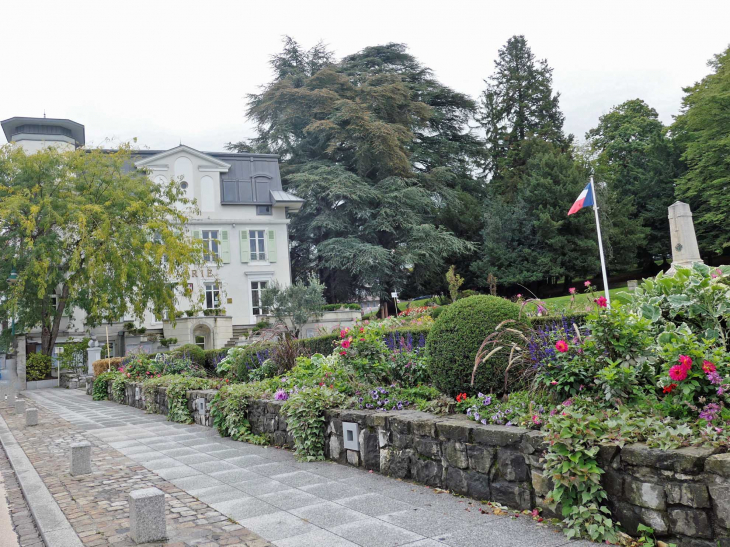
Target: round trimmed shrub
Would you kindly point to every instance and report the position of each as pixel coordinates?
(193, 352)
(37, 367)
(455, 338)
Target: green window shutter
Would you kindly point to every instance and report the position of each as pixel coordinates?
(245, 249)
(272, 246)
(225, 247)
(196, 234)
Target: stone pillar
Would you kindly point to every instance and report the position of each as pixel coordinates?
(685, 251)
(20, 406)
(147, 515)
(93, 354)
(20, 362)
(31, 417)
(80, 458)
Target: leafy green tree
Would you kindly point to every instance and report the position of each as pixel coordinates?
(83, 229)
(518, 103)
(702, 131)
(530, 238)
(636, 159)
(378, 148)
(297, 303)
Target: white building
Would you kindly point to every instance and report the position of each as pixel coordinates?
(243, 218)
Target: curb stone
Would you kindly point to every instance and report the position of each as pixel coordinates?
(50, 520)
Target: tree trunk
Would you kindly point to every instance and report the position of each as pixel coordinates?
(48, 337)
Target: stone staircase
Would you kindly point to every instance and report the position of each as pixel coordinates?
(239, 331)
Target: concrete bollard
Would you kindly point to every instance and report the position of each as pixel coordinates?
(73, 384)
(147, 515)
(31, 417)
(80, 459)
(20, 406)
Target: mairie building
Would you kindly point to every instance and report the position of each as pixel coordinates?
(243, 220)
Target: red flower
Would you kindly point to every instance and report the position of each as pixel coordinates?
(669, 388)
(344, 332)
(678, 373)
(561, 346)
(460, 397)
(345, 344)
(343, 352)
(602, 302)
(362, 329)
(708, 367)
(685, 361)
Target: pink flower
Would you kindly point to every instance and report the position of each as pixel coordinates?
(519, 295)
(717, 273)
(587, 283)
(602, 302)
(345, 344)
(678, 373)
(708, 367)
(571, 290)
(343, 333)
(561, 346)
(685, 361)
(554, 382)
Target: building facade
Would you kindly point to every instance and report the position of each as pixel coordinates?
(243, 220)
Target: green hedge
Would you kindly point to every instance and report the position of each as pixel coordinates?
(579, 318)
(335, 307)
(319, 344)
(37, 367)
(455, 338)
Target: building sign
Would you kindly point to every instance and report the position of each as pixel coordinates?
(202, 272)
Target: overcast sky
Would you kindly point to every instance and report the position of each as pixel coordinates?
(179, 71)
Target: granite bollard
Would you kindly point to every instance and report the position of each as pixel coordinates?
(31, 417)
(80, 458)
(147, 515)
(20, 406)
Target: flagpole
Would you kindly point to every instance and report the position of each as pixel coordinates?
(600, 244)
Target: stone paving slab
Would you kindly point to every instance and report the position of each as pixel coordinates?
(94, 507)
(290, 503)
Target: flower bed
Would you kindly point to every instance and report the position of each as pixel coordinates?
(653, 372)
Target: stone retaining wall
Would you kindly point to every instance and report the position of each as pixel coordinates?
(683, 494)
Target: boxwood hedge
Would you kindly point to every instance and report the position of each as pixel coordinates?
(455, 338)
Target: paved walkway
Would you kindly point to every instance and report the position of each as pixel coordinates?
(289, 503)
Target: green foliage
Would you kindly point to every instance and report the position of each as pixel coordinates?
(455, 338)
(167, 342)
(37, 367)
(635, 158)
(304, 411)
(702, 131)
(318, 344)
(228, 410)
(572, 464)
(698, 296)
(577, 318)
(193, 352)
(101, 385)
(519, 408)
(455, 281)
(435, 312)
(119, 386)
(73, 356)
(370, 216)
(79, 224)
(297, 303)
(335, 307)
(177, 388)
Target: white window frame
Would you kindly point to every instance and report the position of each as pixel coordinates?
(211, 244)
(215, 291)
(256, 241)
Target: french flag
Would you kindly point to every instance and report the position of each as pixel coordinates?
(585, 199)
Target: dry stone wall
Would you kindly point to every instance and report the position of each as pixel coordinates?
(683, 494)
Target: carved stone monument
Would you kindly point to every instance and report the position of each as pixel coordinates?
(685, 251)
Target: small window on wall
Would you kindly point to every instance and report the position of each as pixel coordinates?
(257, 288)
(210, 242)
(212, 296)
(257, 243)
(200, 341)
(263, 209)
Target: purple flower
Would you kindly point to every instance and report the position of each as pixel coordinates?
(484, 421)
(487, 401)
(477, 416)
(281, 395)
(714, 378)
(710, 412)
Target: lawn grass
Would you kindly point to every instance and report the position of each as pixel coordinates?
(582, 301)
